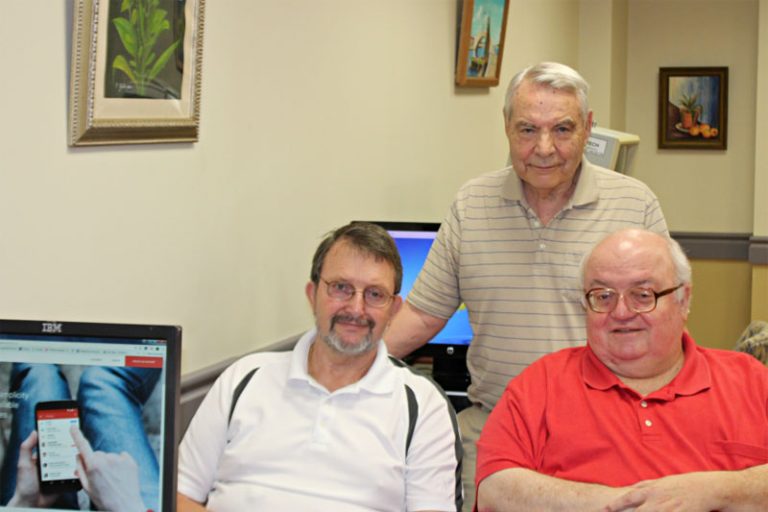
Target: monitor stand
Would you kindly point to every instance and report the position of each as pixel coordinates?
(447, 364)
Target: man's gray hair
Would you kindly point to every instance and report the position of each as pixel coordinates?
(679, 261)
(556, 75)
(368, 238)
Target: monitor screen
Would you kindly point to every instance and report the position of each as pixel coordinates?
(79, 396)
(413, 240)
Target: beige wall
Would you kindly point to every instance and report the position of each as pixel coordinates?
(313, 114)
(761, 132)
(720, 310)
(760, 272)
(603, 59)
(705, 191)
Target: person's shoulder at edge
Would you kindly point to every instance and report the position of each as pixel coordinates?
(733, 358)
(605, 175)
(414, 377)
(487, 179)
(248, 362)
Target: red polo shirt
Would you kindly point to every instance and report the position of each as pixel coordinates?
(568, 416)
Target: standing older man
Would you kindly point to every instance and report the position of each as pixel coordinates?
(336, 424)
(510, 245)
(639, 419)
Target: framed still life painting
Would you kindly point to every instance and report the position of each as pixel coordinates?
(481, 42)
(136, 71)
(693, 108)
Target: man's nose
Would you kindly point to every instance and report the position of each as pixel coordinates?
(357, 302)
(622, 310)
(544, 144)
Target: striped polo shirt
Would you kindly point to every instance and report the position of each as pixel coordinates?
(517, 278)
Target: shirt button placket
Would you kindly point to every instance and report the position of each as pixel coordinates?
(321, 423)
(647, 423)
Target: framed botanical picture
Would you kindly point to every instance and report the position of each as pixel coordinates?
(136, 71)
(693, 108)
(481, 42)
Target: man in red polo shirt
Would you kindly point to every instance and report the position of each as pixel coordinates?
(639, 419)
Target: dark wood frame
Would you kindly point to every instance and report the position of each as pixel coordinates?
(465, 39)
(672, 130)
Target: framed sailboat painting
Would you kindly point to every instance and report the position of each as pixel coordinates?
(481, 42)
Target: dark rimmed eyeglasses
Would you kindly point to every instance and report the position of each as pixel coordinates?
(373, 296)
(637, 299)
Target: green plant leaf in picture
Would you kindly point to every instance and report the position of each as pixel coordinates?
(139, 26)
(127, 34)
(689, 102)
(121, 64)
(163, 60)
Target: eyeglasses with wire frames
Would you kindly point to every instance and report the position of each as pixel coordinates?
(637, 299)
(373, 296)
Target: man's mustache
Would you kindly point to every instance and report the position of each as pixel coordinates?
(353, 319)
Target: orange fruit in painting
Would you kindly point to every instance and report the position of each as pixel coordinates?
(706, 132)
(713, 132)
(694, 130)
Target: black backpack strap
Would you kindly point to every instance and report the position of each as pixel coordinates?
(413, 415)
(239, 391)
(413, 405)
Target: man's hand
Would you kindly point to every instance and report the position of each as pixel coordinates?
(27, 493)
(110, 479)
(690, 492)
(185, 504)
(410, 329)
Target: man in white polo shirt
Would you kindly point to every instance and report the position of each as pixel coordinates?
(336, 424)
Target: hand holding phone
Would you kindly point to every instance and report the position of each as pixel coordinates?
(27, 492)
(66, 458)
(56, 450)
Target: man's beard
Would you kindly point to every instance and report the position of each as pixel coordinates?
(351, 349)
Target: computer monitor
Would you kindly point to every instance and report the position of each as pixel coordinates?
(612, 149)
(118, 383)
(448, 349)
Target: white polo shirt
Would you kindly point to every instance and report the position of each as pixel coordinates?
(292, 445)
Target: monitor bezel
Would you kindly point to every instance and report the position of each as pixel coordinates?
(406, 225)
(172, 336)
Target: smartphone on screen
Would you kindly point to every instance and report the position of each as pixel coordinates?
(56, 450)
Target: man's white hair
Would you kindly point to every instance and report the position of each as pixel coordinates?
(556, 75)
(679, 261)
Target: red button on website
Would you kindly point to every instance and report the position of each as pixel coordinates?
(144, 362)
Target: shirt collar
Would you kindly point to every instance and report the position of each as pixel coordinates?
(585, 192)
(693, 377)
(378, 380)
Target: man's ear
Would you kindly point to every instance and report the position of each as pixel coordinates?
(685, 304)
(397, 303)
(589, 123)
(311, 291)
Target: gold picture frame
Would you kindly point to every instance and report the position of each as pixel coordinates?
(481, 42)
(135, 83)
